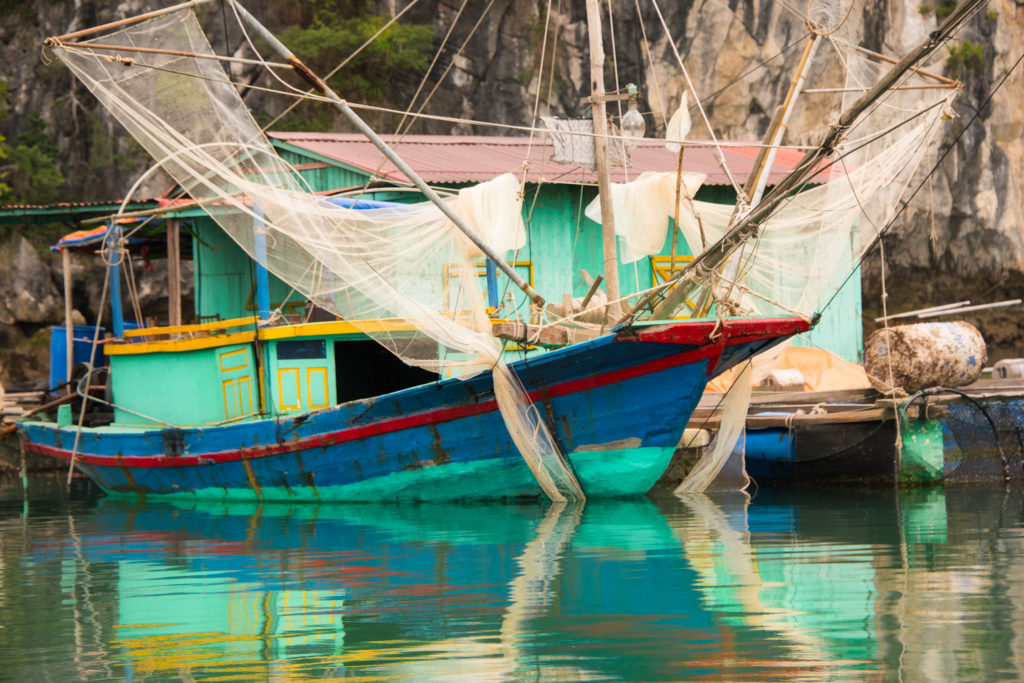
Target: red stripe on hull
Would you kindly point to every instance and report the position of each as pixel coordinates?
(729, 332)
(742, 334)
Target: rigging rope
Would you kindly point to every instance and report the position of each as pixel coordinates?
(330, 74)
(942, 157)
(696, 97)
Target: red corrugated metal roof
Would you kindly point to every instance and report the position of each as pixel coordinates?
(460, 159)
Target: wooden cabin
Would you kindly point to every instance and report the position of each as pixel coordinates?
(211, 371)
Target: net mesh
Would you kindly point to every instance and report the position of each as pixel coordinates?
(405, 276)
(807, 249)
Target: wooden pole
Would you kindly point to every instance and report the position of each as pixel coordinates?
(758, 178)
(342, 106)
(69, 327)
(611, 260)
(749, 226)
(123, 22)
(173, 272)
(675, 215)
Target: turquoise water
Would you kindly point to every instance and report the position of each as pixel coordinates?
(918, 585)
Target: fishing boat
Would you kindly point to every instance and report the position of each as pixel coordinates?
(858, 437)
(614, 404)
(272, 408)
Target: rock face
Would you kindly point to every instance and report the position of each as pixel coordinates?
(962, 235)
(32, 299)
(26, 293)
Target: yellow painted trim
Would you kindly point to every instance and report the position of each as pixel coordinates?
(309, 392)
(333, 328)
(224, 390)
(245, 362)
(262, 384)
(248, 392)
(339, 327)
(175, 345)
(280, 389)
(660, 266)
(185, 329)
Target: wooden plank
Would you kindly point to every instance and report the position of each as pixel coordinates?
(550, 336)
(173, 273)
(799, 398)
(25, 395)
(796, 419)
(186, 329)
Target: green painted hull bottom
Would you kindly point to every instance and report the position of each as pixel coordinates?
(616, 473)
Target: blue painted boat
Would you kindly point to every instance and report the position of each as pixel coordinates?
(970, 435)
(616, 405)
(248, 408)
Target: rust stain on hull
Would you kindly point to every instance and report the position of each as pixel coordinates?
(252, 478)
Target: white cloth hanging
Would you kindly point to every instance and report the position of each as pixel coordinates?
(642, 210)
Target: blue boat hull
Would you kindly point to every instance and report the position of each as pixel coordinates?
(981, 443)
(616, 406)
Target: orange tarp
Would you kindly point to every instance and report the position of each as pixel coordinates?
(822, 371)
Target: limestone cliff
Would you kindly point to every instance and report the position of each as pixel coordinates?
(962, 236)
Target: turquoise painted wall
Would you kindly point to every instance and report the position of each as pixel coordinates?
(330, 177)
(840, 327)
(560, 242)
(226, 278)
(196, 387)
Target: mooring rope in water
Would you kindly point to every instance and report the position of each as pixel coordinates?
(88, 376)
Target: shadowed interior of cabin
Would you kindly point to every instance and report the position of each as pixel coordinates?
(365, 368)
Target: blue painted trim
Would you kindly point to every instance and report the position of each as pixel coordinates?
(492, 284)
(116, 311)
(262, 279)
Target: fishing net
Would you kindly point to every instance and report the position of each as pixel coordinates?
(405, 276)
(809, 247)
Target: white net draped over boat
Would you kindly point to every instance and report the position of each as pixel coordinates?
(807, 249)
(405, 275)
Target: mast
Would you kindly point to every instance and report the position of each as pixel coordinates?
(758, 178)
(675, 290)
(597, 100)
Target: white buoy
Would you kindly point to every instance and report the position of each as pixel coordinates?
(924, 355)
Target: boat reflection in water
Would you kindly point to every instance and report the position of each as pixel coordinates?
(784, 586)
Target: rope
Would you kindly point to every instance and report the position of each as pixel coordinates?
(338, 68)
(399, 133)
(991, 423)
(650, 60)
(892, 381)
(615, 74)
(88, 376)
(433, 63)
(718, 144)
(86, 397)
(942, 157)
(696, 97)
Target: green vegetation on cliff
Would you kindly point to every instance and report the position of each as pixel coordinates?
(965, 58)
(29, 166)
(331, 31)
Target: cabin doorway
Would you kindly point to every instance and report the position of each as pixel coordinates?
(364, 369)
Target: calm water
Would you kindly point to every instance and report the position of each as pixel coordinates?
(921, 585)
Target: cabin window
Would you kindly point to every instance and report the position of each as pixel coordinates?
(453, 271)
(364, 369)
(306, 349)
(662, 270)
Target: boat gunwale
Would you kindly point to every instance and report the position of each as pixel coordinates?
(736, 333)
